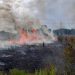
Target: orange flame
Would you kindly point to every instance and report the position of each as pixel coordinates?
(26, 37)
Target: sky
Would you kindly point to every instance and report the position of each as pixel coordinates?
(53, 13)
(60, 14)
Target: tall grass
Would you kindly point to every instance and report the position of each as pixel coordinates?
(50, 71)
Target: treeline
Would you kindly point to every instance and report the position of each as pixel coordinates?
(69, 53)
(61, 32)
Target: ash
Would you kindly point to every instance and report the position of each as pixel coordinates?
(31, 57)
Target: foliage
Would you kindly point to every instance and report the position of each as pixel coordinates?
(50, 71)
(69, 52)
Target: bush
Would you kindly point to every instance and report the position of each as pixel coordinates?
(69, 52)
(50, 71)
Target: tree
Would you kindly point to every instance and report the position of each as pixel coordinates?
(69, 55)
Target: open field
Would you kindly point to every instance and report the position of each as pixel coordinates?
(49, 59)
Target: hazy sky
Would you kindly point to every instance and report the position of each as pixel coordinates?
(51, 12)
(60, 11)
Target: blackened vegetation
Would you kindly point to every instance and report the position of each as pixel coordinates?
(30, 58)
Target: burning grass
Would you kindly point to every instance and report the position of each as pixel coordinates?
(34, 36)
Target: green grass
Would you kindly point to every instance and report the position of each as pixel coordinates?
(50, 71)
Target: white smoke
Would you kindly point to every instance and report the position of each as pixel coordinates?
(18, 13)
(51, 12)
(24, 10)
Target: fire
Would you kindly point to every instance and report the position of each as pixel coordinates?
(26, 37)
(31, 36)
(23, 37)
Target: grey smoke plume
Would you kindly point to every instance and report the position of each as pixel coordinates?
(27, 10)
(19, 13)
(26, 14)
(50, 12)
(6, 19)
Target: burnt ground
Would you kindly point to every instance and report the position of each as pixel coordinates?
(32, 57)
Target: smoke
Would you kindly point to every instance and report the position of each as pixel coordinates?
(27, 10)
(22, 13)
(25, 18)
(6, 19)
(49, 12)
